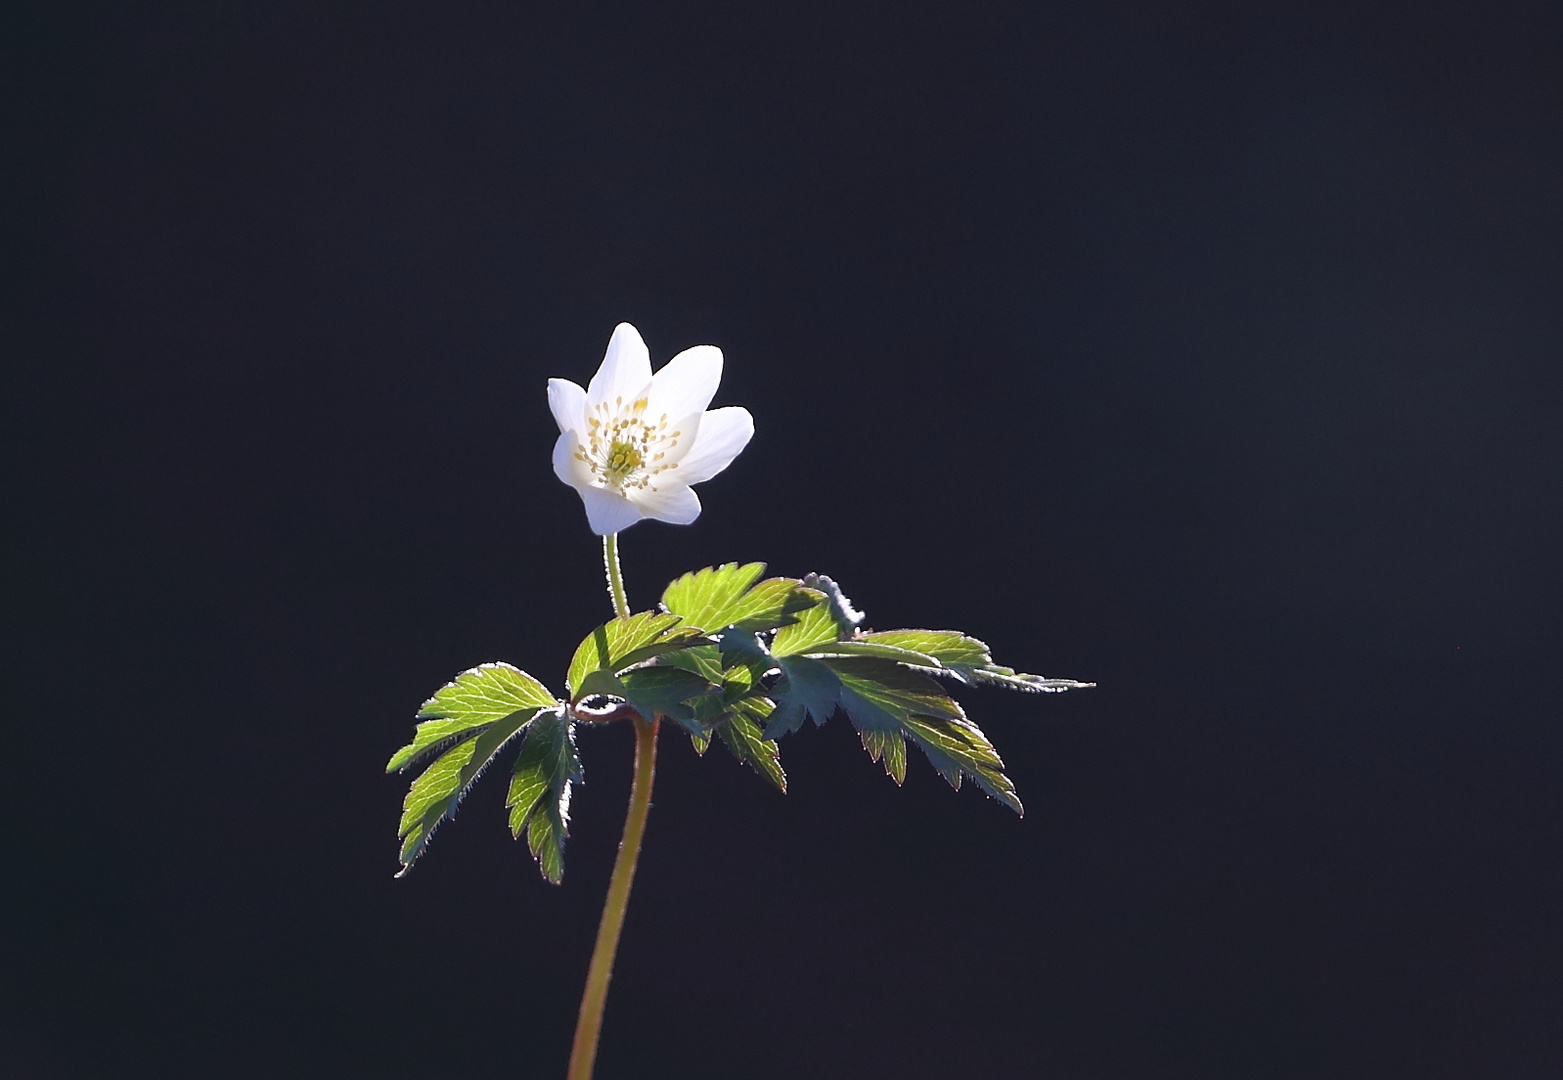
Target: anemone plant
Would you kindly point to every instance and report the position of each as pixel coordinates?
(728, 655)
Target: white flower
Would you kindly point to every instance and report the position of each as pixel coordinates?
(632, 442)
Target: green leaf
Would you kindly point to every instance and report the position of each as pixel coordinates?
(959, 746)
(887, 701)
(664, 690)
(742, 735)
(889, 745)
(481, 695)
(967, 659)
(807, 689)
(624, 642)
(863, 647)
(540, 784)
(881, 694)
(703, 660)
(816, 626)
(605, 683)
(1019, 680)
(433, 797)
(950, 648)
(710, 710)
(681, 696)
(727, 595)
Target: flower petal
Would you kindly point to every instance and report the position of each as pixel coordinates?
(688, 429)
(722, 435)
(687, 383)
(607, 512)
(567, 467)
(626, 367)
(676, 505)
(567, 402)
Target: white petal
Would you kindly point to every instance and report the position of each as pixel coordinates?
(722, 435)
(626, 367)
(676, 505)
(607, 512)
(567, 402)
(688, 429)
(567, 466)
(687, 383)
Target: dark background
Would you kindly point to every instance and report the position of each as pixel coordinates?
(1207, 351)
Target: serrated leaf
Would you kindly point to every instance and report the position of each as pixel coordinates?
(478, 696)
(710, 710)
(860, 647)
(540, 785)
(700, 740)
(741, 734)
(604, 683)
(889, 745)
(728, 595)
(1019, 680)
(806, 689)
(663, 690)
(816, 626)
(886, 701)
(959, 747)
(881, 693)
(621, 643)
(950, 648)
(545, 840)
(433, 797)
(704, 661)
(968, 660)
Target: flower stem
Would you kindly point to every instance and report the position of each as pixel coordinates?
(588, 1026)
(583, 1054)
(610, 559)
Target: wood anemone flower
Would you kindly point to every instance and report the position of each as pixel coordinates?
(632, 443)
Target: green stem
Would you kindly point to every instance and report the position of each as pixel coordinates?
(610, 559)
(589, 1025)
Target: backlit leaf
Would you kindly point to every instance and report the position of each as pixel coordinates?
(889, 745)
(816, 626)
(950, 648)
(727, 595)
(704, 661)
(968, 660)
(742, 735)
(478, 696)
(959, 747)
(881, 693)
(620, 643)
(663, 690)
(864, 647)
(540, 786)
(433, 797)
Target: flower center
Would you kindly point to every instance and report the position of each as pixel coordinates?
(623, 449)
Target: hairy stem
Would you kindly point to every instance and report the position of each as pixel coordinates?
(583, 1054)
(588, 1026)
(610, 559)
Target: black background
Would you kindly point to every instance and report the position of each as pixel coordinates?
(1207, 351)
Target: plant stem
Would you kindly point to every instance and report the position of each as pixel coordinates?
(588, 1026)
(610, 559)
(583, 1054)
